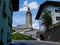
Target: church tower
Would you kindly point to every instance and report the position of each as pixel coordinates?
(28, 25)
(28, 17)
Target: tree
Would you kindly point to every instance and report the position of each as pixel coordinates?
(13, 29)
(46, 18)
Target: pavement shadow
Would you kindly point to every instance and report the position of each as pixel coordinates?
(19, 44)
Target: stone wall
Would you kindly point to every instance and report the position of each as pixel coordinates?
(53, 34)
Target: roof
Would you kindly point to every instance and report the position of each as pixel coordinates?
(24, 26)
(15, 5)
(52, 3)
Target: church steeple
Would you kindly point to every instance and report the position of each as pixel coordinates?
(28, 17)
(28, 11)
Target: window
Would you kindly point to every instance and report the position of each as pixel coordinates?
(8, 37)
(4, 13)
(57, 18)
(0, 1)
(9, 22)
(1, 34)
(57, 11)
(1, 41)
(10, 7)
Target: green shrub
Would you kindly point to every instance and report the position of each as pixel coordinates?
(18, 36)
(13, 29)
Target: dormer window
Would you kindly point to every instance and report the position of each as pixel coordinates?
(58, 11)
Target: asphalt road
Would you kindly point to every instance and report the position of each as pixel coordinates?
(30, 42)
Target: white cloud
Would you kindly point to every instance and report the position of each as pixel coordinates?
(35, 26)
(32, 5)
(23, 9)
(25, 3)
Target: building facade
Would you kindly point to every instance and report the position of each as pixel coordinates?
(54, 8)
(55, 13)
(6, 12)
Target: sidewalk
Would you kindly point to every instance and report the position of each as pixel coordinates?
(33, 42)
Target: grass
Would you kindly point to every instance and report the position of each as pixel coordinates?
(19, 36)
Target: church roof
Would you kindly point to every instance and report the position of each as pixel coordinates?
(24, 26)
(42, 6)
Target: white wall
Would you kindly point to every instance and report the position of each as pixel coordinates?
(53, 15)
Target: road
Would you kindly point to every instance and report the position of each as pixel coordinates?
(30, 42)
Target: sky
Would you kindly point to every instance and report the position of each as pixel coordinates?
(19, 16)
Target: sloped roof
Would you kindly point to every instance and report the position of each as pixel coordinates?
(15, 5)
(42, 6)
(24, 26)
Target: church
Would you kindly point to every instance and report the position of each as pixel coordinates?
(28, 25)
(27, 28)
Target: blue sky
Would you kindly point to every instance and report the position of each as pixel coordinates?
(19, 16)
